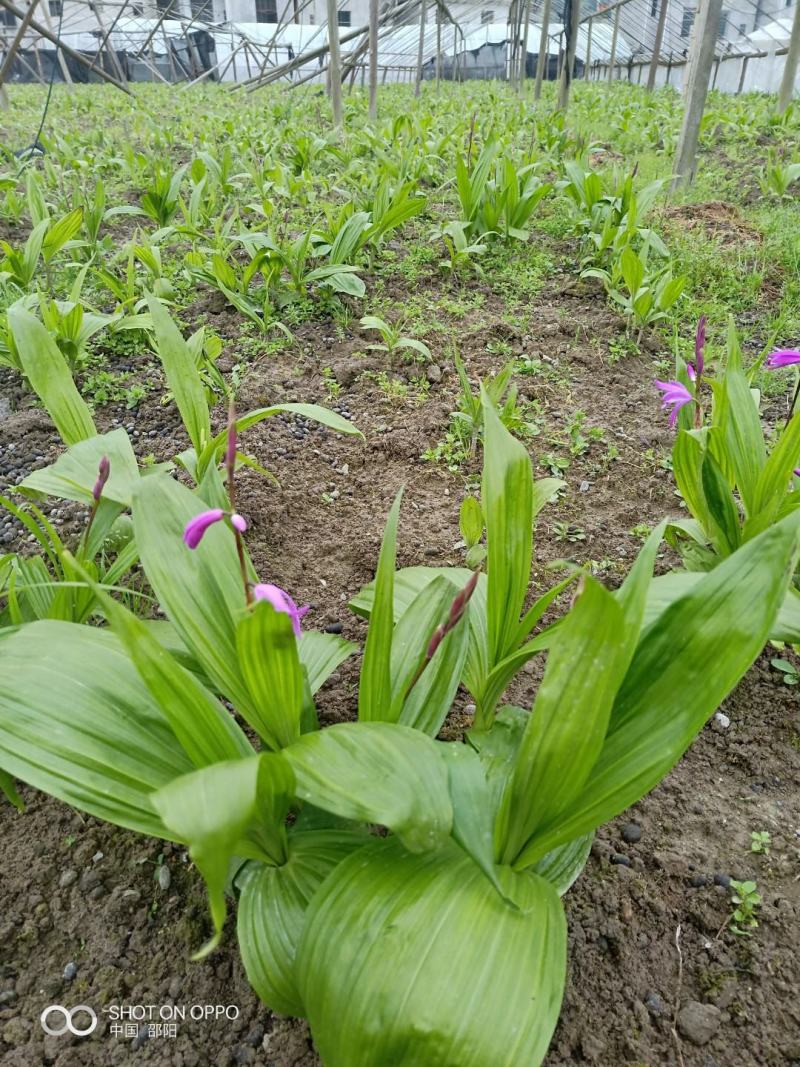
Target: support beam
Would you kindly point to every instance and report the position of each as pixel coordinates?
(572, 18)
(421, 47)
(656, 57)
(589, 49)
(614, 35)
(13, 48)
(335, 64)
(701, 58)
(49, 36)
(543, 57)
(523, 66)
(792, 62)
(373, 60)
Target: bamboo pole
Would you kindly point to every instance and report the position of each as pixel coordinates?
(421, 48)
(523, 67)
(589, 48)
(48, 36)
(13, 48)
(373, 60)
(656, 56)
(335, 63)
(543, 58)
(786, 90)
(701, 57)
(572, 18)
(614, 35)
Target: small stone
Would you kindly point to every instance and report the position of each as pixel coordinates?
(722, 720)
(255, 1036)
(470, 709)
(583, 487)
(68, 878)
(334, 628)
(433, 372)
(620, 860)
(697, 881)
(699, 1022)
(631, 832)
(70, 971)
(723, 879)
(655, 1005)
(164, 877)
(97, 857)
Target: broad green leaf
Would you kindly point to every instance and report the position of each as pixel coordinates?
(721, 506)
(74, 473)
(687, 466)
(471, 520)
(473, 811)
(233, 808)
(77, 722)
(272, 911)
(47, 371)
(270, 665)
(376, 772)
(774, 479)
(687, 662)
(60, 232)
(321, 654)
(741, 427)
(307, 411)
(182, 375)
(507, 493)
(9, 791)
(426, 706)
(200, 590)
(415, 960)
(375, 686)
(563, 866)
(565, 732)
(204, 727)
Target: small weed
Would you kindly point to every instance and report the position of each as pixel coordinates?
(747, 899)
(760, 842)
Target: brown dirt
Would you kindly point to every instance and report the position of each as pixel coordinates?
(80, 893)
(716, 219)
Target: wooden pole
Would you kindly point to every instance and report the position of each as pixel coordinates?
(438, 45)
(48, 36)
(614, 35)
(701, 57)
(572, 18)
(373, 60)
(543, 57)
(523, 66)
(335, 63)
(589, 47)
(792, 62)
(421, 49)
(61, 61)
(745, 61)
(656, 57)
(13, 48)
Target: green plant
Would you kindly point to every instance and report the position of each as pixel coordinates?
(487, 832)
(791, 675)
(568, 531)
(747, 899)
(732, 486)
(776, 177)
(161, 200)
(760, 841)
(392, 338)
(471, 524)
(460, 249)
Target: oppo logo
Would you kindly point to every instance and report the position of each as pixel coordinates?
(64, 1018)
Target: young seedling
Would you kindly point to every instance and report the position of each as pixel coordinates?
(746, 897)
(791, 675)
(392, 337)
(760, 841)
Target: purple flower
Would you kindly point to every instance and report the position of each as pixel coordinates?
(783, 357)
(797, 472)
(675, 394)
(281, 601)
(238, 522)
(103, 471)
(196, 527)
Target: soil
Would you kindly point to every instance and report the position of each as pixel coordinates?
(98, 916)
